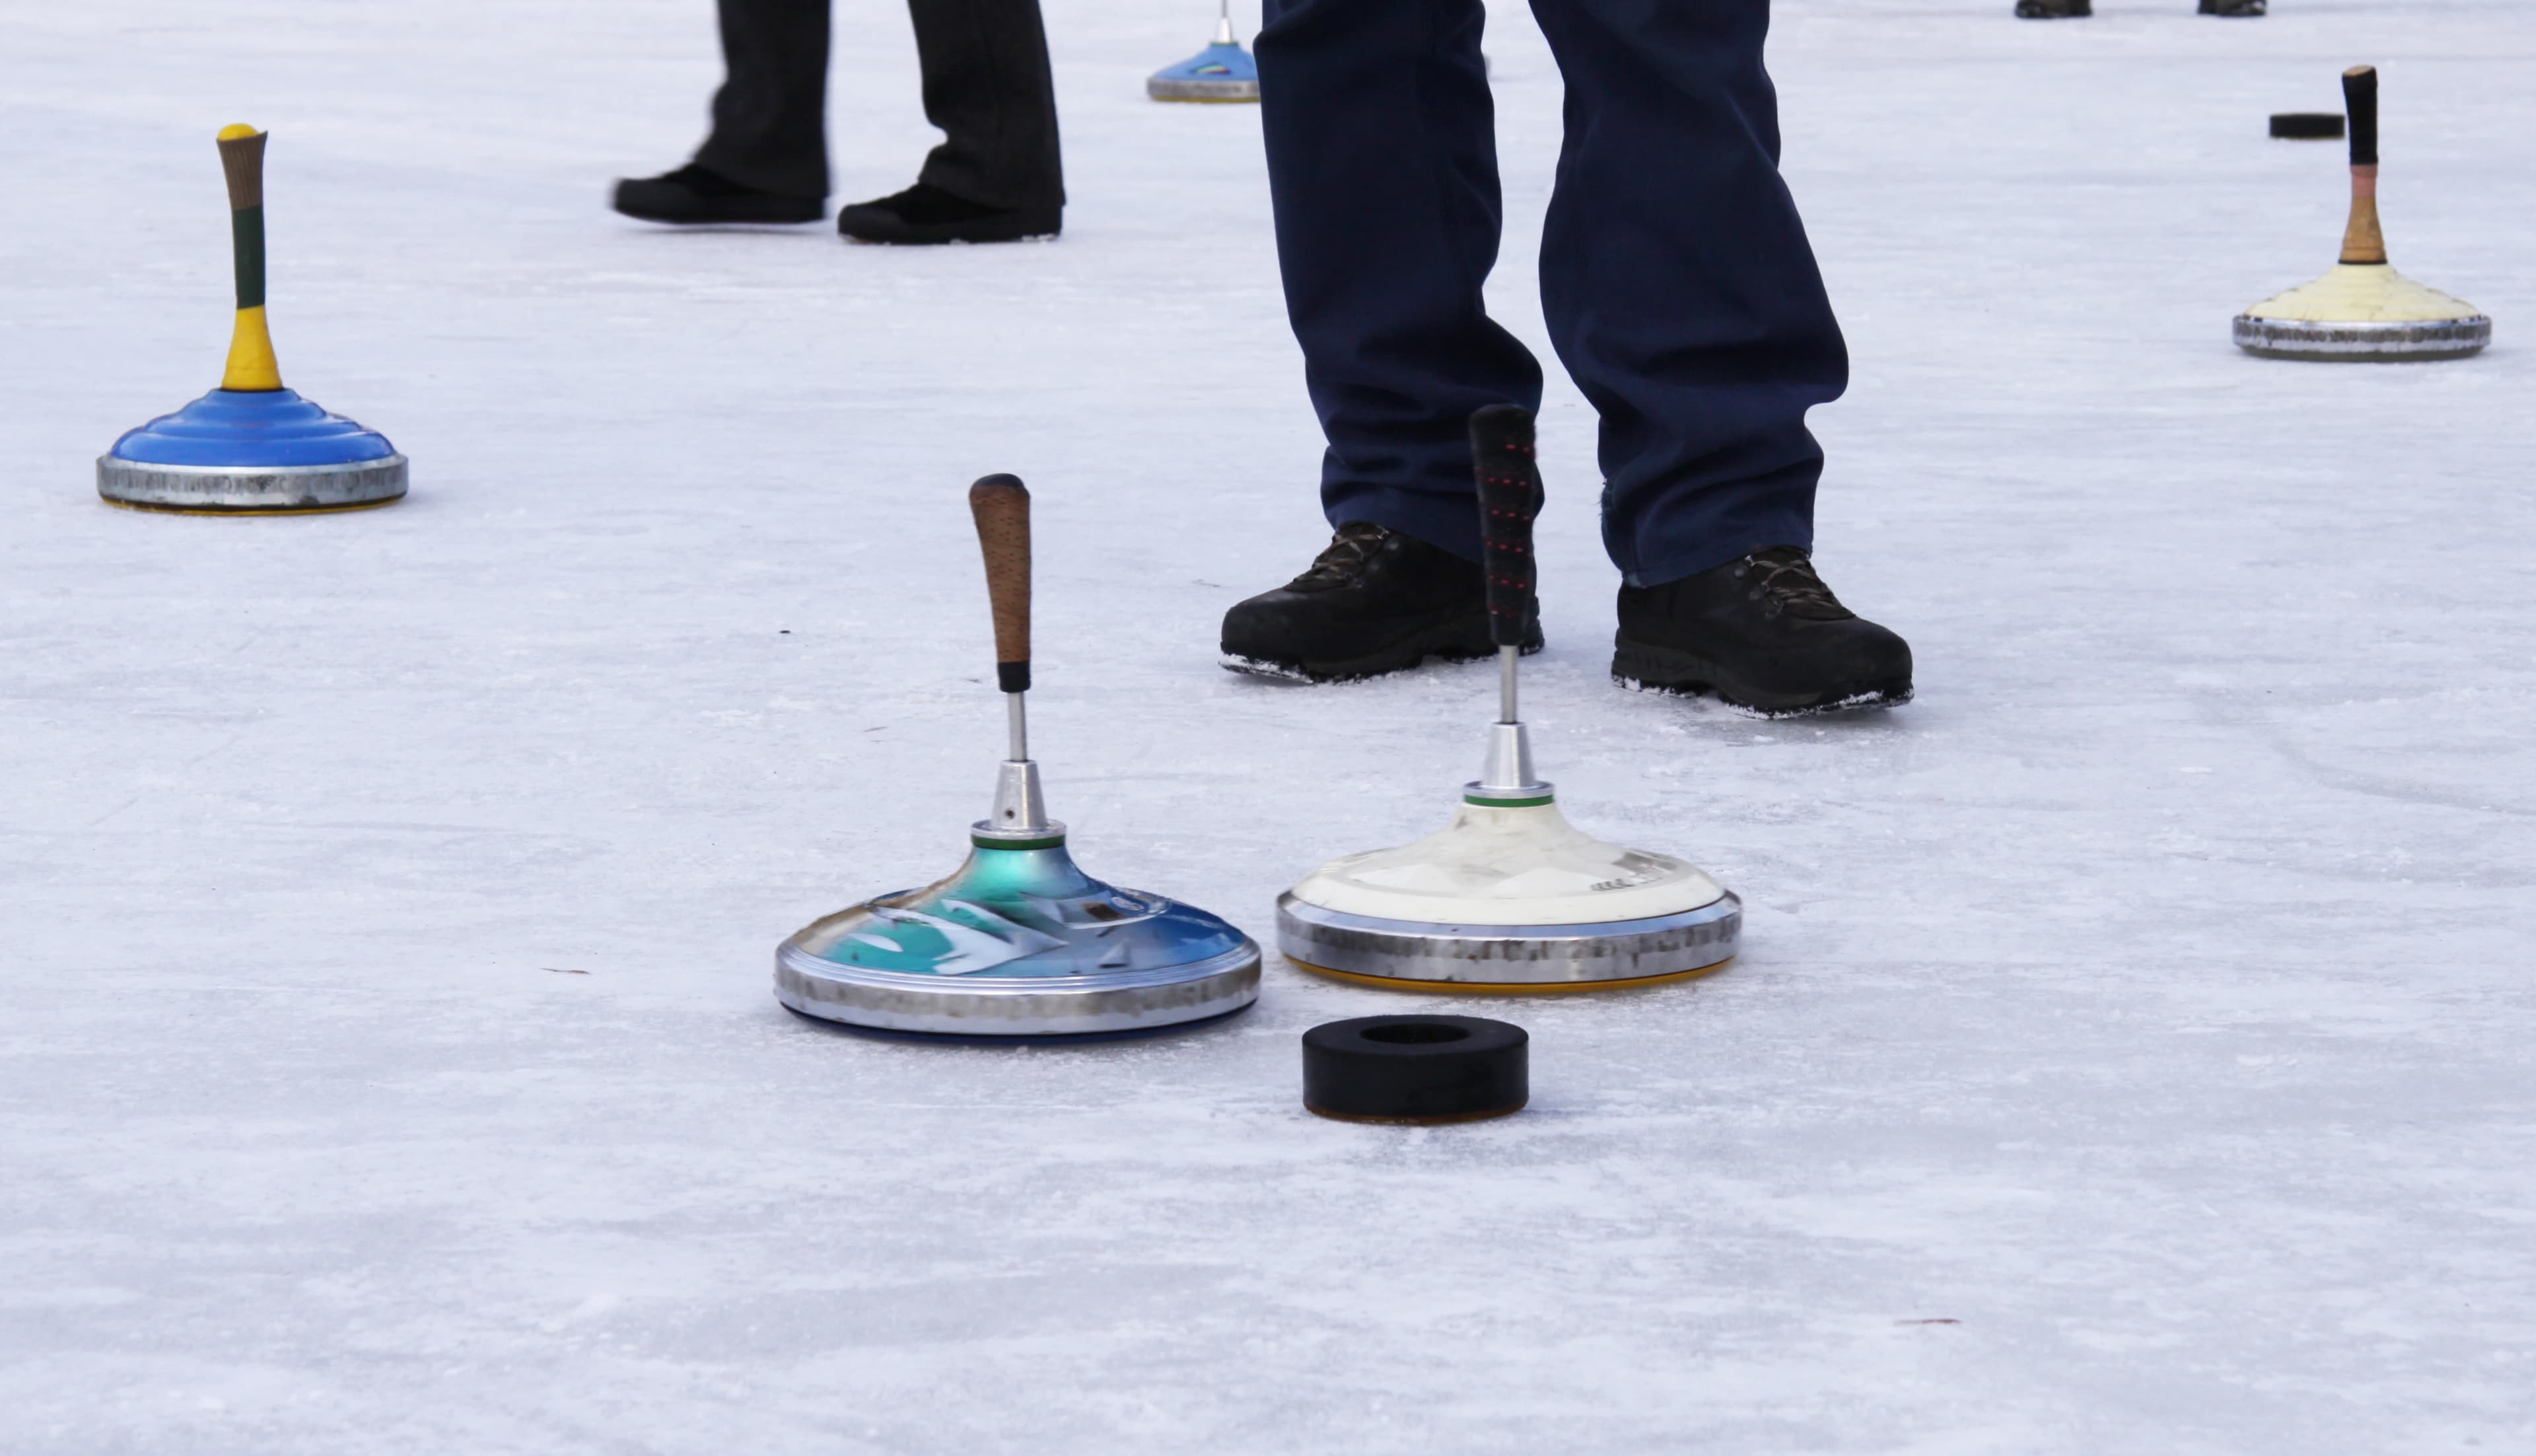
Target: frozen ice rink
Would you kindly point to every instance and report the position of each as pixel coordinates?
(2135, 1048)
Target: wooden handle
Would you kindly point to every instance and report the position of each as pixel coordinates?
(1511, 495)
(1001, 506)
(242, 161)
(2363, 240)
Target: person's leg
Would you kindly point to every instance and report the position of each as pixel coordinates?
(769, 117)
(1677, 284)
(1382, 171)
(986, 85)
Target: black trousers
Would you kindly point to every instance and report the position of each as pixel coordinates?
(986, 85)
(1674, 275)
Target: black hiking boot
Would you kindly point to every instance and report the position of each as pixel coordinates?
(691, 194)
(1374, 602)
(2054, 10)
(925, 213)
(1762, 633)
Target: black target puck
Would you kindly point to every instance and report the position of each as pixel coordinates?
(1416, 1069)
(2308, 126)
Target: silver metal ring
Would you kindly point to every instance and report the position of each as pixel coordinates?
(1201, 90)
(1509, 955)
(2396, 343)
(291, 487)
(1017, 1005)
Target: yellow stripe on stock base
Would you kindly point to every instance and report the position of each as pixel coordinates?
(358, 505)
(252, 366)
(1507, 987)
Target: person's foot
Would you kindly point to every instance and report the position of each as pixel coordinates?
(692, 194)
(1374, 602)
(1764, 634)
(2054, 10)
(925, 213)
(2233, 7)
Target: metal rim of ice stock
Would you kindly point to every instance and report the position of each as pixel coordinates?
(1182, 89)
(1151, 999)
(1517, 958)
(246, 488)
(2361, 343)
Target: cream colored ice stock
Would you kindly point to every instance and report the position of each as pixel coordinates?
(1508, 897)
(2364, 293)
(1496, 865)
(2363, 311)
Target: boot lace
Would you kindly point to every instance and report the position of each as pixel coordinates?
(1784, 577)
(1343, 561)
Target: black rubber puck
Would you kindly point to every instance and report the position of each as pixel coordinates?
(2308, 126)
(1416, 1069)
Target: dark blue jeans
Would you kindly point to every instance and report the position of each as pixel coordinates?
(1674, 274)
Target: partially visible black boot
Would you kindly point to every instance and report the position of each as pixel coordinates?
(925, 213)
(2054, 10)
(2234, 8)
(1763, 633)
(1374, 602)
(693, 194)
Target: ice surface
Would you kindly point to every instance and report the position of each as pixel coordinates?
(2151, 999)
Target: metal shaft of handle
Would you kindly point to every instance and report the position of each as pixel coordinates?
(1507, 660)
(1016, 728)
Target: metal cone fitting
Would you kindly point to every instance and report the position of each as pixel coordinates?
(251, 451)
(1019, 942)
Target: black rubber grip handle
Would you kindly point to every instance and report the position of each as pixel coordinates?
(2360, 100)
(1000, 505)
(1510, 494)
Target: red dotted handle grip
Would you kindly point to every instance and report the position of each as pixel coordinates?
(1511, 495)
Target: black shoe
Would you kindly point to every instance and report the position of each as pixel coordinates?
(692, 194)
(2233, 7)
(1375, 602)
(1763, 633)
(925, 213)
(2054, 10)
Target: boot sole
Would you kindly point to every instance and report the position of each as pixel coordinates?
(1033, 229)
(792, 215)
(1650, 669)
(1454, 642)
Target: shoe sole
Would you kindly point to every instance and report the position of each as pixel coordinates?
(1454, 642)
(929, 239)
(1645, 667)
(767, 220)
